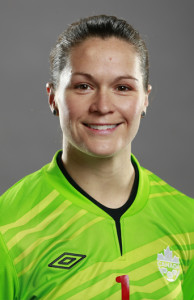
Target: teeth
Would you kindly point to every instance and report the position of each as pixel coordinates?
(102, 127)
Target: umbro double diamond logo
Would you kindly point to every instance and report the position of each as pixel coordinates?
(66, 260)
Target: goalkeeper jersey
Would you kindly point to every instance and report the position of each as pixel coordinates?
(56, 244)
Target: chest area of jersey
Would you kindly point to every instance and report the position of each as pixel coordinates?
(82, 260)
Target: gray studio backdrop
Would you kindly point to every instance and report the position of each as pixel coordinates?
(30, 135)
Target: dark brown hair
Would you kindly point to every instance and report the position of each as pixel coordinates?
(101, 26)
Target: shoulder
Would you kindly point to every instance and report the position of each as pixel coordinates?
(160, 188)
(168, 199)
(26, 184)
(157, 186)
(19, 196)
(32, 183)
(26, 194)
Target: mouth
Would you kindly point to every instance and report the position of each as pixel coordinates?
(101, 128)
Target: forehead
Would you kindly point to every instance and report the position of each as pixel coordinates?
(98, 48)
(104, 56)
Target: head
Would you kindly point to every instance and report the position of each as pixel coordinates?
(99, 84)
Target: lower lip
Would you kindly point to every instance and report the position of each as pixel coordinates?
(102, 131)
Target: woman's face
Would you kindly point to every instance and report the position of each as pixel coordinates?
(100, 97)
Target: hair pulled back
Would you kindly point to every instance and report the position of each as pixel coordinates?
(101, 26)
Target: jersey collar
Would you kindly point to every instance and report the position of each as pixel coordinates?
(65, 187)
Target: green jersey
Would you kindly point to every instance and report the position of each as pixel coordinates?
(55, 243)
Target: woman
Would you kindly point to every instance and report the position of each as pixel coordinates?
(93, 224)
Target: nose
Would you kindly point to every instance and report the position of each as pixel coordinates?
(102, 103)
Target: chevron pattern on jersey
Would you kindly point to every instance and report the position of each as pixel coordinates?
(48, 226)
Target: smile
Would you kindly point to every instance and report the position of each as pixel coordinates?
(101, 127)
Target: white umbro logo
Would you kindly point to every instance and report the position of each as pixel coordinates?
(168, 265)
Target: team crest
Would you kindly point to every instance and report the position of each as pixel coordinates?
(168, 265)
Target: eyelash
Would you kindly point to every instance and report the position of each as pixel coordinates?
(85, 86)
(126, 88)
(82, 86)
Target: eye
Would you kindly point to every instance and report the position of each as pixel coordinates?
(82, 86)
(123, 88)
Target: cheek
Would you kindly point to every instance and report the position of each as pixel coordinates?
(70, 112)
(132, 110)
(74, 110)
(63, 115)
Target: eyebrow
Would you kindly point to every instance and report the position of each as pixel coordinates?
(117, 78)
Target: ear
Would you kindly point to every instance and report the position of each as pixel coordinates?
(51, 98)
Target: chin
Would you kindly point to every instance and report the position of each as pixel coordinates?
(99, 150)
(102, 153)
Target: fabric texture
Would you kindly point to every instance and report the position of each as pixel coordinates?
(55, 243)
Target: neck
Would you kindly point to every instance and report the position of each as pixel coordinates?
(109, 180)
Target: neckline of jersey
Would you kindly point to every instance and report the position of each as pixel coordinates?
(115, 213)
(56, 177)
